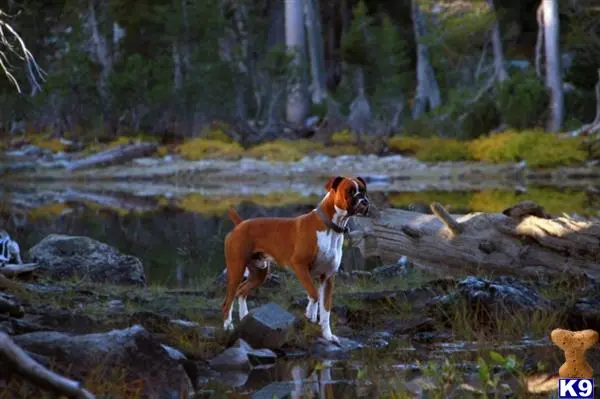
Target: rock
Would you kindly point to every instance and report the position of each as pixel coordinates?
(390, 271)
(133, 350)
(173, 353)
(242, 356)
(415, 325)
(265, 327)
(10, 304)
(154, 322)
(585, 314)
(328, 350)
(63, 257)
(502, 296)
(275, 390)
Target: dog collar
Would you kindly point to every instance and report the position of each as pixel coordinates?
(329, 223)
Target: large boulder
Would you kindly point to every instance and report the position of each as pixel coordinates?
(132, 354)
(490, 300)
(64, 257)
(267, 326)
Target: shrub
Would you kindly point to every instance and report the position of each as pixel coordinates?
(538, 148)
(343, 137)
(523, 100)
(52, 144)
(201, 148)
(431, 149)
(285, 150)
(345, 149)
(215, 131)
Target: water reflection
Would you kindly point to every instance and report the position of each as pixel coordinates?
(180, 240)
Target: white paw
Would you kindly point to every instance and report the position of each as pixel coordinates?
(228, 325)
(328, 336)
(312, 311)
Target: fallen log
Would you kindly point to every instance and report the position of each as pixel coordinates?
(20, 362)
(14, 270)
(113, 156)
(523, 240)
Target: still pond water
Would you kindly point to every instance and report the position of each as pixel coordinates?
(180, 239)
(180, 242)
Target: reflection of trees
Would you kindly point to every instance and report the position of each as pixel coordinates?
(175, 246)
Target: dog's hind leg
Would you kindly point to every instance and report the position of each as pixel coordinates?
(236, 265)
(256, 278)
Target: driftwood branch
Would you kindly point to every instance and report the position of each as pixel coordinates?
(14, 270)
(116, 155)
(523, 240)
(18, 360)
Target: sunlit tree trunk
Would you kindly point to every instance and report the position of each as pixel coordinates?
(297, 101)
(553, 68)
(428, 91)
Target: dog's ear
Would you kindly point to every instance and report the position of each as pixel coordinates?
(333, 183)
(362, 181)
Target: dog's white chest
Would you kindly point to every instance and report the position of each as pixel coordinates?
(329, 253)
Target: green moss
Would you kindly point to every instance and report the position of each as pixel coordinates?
(431, 149)
(344, 137)
(285, 150)
(538, 148)
(201, 148)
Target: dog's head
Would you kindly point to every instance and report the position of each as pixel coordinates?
(349, 194)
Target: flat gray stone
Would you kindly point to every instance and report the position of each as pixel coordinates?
(266, 327)
(241, 356)
(329, 350)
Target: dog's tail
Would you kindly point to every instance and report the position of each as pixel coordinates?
(234, 216)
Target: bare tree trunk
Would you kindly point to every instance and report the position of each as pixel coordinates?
(360, 111)
(539, 44)
(104, 57)
(315, 46)
(297, 101)
(428, 91)
(553, 68)
(499, 68)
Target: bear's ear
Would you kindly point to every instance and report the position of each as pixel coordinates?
(333, 183)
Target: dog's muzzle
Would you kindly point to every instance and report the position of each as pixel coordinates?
(361, 206)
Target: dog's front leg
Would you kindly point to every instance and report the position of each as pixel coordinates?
(325, 304)
(303, 274)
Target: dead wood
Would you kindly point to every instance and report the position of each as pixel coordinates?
(20, 362)
(14, 270)
(522, 240)
(113, 156)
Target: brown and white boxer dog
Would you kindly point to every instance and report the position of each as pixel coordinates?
(310, 244)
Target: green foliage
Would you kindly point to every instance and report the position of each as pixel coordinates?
(431, 149)
(523, 100)
(538, 148)
(355, 47)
